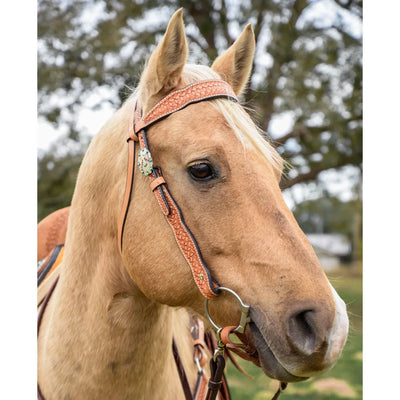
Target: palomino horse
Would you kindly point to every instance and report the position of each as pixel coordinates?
(126, 282)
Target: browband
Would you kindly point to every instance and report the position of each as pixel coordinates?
(175, 101)
(179, 99)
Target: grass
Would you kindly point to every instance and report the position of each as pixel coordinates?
(342, 382)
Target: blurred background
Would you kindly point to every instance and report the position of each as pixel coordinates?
(305, 93)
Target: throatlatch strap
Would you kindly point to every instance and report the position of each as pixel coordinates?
(128, 192)
(129, 181)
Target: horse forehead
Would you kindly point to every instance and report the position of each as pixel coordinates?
(196, 122)
(200, 128)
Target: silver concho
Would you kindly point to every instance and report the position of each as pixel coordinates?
(145, 162)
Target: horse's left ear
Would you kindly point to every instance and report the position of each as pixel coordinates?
(234, 65)
(165, 66)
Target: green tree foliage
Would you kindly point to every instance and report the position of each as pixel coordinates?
(328, 214)
(57, 172)
(306, 66)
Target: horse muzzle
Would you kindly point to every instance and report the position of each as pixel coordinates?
(306, 343)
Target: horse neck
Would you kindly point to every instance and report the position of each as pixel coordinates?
(113, 346)
(106, 339)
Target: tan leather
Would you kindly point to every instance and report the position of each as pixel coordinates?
(238, 348)
(51, 232)
(225, 332)
(199, 344)
(184, 241)
(202, 390)
(45, 286)
(156, 183)
(128, 191)
(175, 101)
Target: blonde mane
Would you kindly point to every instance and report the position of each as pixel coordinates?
(236, 116)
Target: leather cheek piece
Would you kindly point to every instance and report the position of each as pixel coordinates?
(128, 191)
(175, 101)
(189, 248)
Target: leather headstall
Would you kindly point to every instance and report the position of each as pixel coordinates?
(173, 102)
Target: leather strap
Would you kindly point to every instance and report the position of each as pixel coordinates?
(211, 343)
(175, 101)
(181, 372)
(217, 367)
(128, 185)
(184, 238)
(179, 99)
(39, 322)
(199, 357)
(244, 353)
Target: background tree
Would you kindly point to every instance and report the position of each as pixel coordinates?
(307, 69)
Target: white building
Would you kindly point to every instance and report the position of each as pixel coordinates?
(330, 248)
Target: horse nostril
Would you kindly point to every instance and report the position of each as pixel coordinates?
(302, 331)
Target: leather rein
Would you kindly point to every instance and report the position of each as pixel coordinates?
(207, 285)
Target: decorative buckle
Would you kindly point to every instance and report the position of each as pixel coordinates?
(244, 317)
(145, 162)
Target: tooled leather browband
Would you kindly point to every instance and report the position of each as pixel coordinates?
(179, 99)
(175, 101)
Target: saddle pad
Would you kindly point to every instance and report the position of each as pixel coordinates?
(48, 270)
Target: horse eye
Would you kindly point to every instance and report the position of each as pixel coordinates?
(201, 172)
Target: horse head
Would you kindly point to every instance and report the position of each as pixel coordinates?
(225, 178)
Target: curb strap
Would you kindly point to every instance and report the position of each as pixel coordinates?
(175, 101)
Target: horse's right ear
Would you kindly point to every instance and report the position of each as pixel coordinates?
(234, 66)
(165, 66)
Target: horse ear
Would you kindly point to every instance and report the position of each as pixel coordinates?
(165, 65)
(234, 65)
